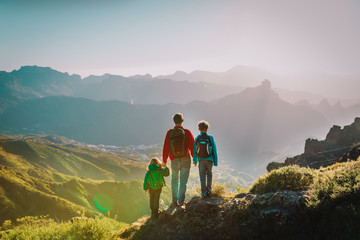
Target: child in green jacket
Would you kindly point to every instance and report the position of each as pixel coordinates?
(153, 182)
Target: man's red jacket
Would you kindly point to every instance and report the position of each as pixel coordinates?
(189, 141)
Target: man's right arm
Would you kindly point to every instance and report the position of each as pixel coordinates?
(166, 149)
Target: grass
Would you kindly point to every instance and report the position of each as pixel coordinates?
(336, 183)
(39, 228)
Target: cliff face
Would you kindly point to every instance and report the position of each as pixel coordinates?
(338, 146)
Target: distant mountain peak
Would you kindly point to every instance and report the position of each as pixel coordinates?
(142, 77)
(324, 103)
(35, 69)
(180, 73)
(266, 84)
(41, 72)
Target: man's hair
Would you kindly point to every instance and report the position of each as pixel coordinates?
(155, 161)
(178, 118)
(203, 125)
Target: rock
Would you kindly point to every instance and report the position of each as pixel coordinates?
(202, 206)
(336, 147)
(219, 226)
(218, 219)
(194, 200)
(170, 230)
(240, 195)
(250, 197)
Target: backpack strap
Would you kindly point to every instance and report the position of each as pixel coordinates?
(185, 141)
(158, 178)
(152, 179)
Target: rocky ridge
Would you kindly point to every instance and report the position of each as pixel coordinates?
(339, 145)
(245, 216)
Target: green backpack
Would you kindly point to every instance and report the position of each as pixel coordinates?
(157, 180)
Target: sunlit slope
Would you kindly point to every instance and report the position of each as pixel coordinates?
(83, 162)
(34, 192)
(63, 181)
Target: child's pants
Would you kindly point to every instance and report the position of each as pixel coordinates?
(205, 167)
(154, 200)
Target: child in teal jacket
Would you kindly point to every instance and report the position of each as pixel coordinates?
(205, 153)
(153, 182)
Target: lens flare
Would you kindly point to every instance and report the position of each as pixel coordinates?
(103, 202)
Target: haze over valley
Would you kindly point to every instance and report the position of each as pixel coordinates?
(253, 125)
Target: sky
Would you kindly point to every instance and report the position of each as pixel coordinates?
(131, 37)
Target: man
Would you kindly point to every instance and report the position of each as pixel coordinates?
(178, 145)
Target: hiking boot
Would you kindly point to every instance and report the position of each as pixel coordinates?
(182, 204)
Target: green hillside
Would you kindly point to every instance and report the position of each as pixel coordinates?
(74, 160)
(38, 177)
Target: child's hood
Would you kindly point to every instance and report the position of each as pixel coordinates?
(154, 167)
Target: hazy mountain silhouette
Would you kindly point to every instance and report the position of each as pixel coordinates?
(244, 124)
(250, 125)
(46, 81)
(147, 90)
(238, 75)
(31, 82)
(306, 85)
(334, 113)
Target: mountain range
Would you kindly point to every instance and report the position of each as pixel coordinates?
(31, 82)
(252, 127)
(244, 124)
(306, 85)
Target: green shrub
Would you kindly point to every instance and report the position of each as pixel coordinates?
(218, 189)
(89, 228)
(292, 178)
(335, 183)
